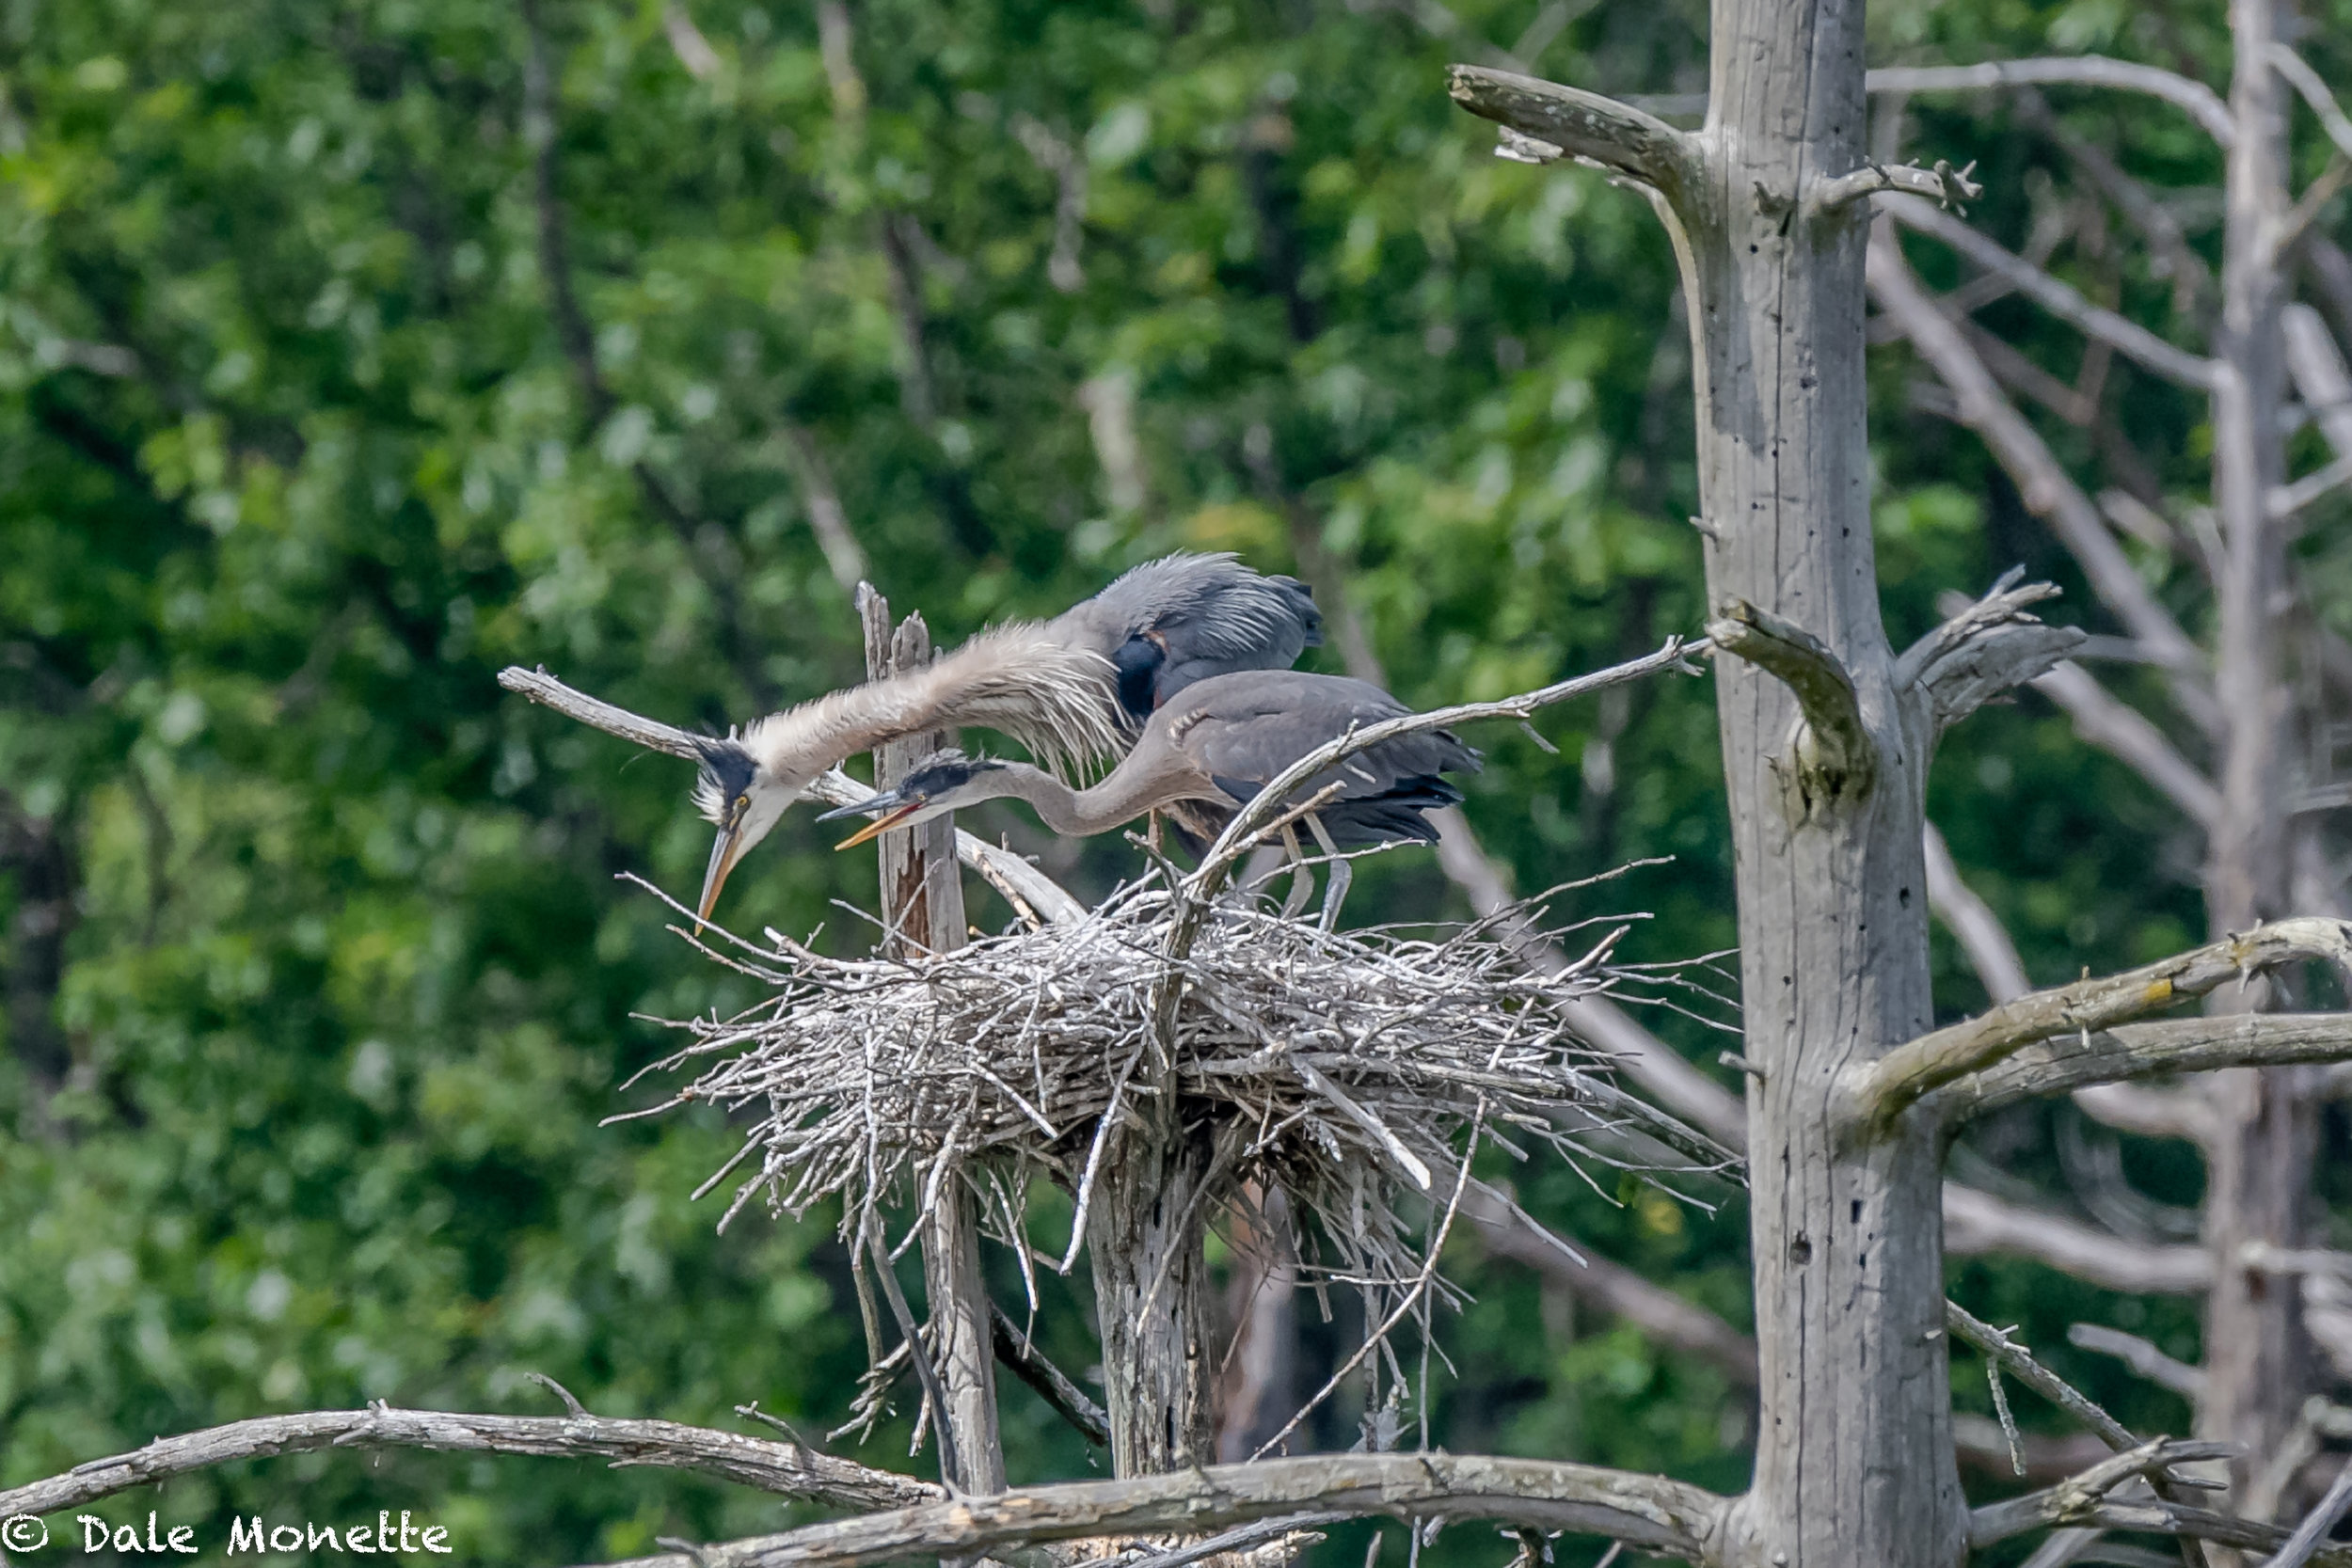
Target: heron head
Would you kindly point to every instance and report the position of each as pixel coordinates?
(940, 782)
(744, 798)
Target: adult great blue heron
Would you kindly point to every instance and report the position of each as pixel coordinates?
(1074, 689)
(1208, 751)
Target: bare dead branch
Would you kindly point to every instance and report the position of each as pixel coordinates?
(2019, 1363)
(1984, 650)
(1580, 124)
(786, 1469)
(2267, 1257)
(2143, 1358)
(2127, 1107)
(1885, 1087)
(2326, 386)
(2117, 728)
(1068, 166)
(687, 42)
(1507, 1232)
(2183, 1522)
(2288, 499)
(1836, 753)
(1026, 1362)
(1977, 1223)
(2202, 103)
(2015, 1359)
(2071, 1500)
(1972, 924)
(2304, 1543)
(2308, 82)
(1943, 184)
(828, 519)
(2062, 300)
(2146, 1112)
(1262, 810)
(2040, 480)
(1009, 872)
(1650, 1511)
(2321, 378)
(2155, 1049)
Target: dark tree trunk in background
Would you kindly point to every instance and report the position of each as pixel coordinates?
(1144, 1232)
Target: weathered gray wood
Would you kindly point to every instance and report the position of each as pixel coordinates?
(1897, 1079)
(2258, 1358)
(923, 913)
(1854, 1451)
(1668, 1517)
(784, 1468)
(1854, 1447)
(1144, 1233)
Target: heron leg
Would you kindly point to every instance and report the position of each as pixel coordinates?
(1302, 880)
(1335, 879)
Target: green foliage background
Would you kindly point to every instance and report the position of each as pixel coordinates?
(304, 1110)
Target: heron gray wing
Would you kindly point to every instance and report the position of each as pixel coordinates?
(1203, 615)
(1249, 727)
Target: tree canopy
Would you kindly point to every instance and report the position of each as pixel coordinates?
(350, 352)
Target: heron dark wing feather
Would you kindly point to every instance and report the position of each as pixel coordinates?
(1243, 730)
(1171, 622)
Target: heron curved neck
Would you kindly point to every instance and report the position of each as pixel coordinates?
(1056, 699)
(1127, 794)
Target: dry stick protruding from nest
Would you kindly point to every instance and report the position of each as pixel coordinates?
(1259, 814)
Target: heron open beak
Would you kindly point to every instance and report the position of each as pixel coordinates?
(881, 825)
(723, 854)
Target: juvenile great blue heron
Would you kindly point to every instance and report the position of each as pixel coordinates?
(1209, 752)
(1074, 689)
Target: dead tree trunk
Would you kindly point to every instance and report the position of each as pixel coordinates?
(1854, 1450)
(922, 895)
(1825, 742)
(1144, 1231)
(2266, 1133)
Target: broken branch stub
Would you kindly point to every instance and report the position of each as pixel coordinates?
(1580, 124)
(2071, 1501)
(1833, 754)
(1943, 184)
(1984, 650)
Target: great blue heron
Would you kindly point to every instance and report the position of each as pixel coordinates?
(1207, 752)
(1074, 689)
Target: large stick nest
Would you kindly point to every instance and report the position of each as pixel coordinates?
(1341, 1068)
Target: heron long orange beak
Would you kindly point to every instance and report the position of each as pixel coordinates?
(881, 825)
(723, 854)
